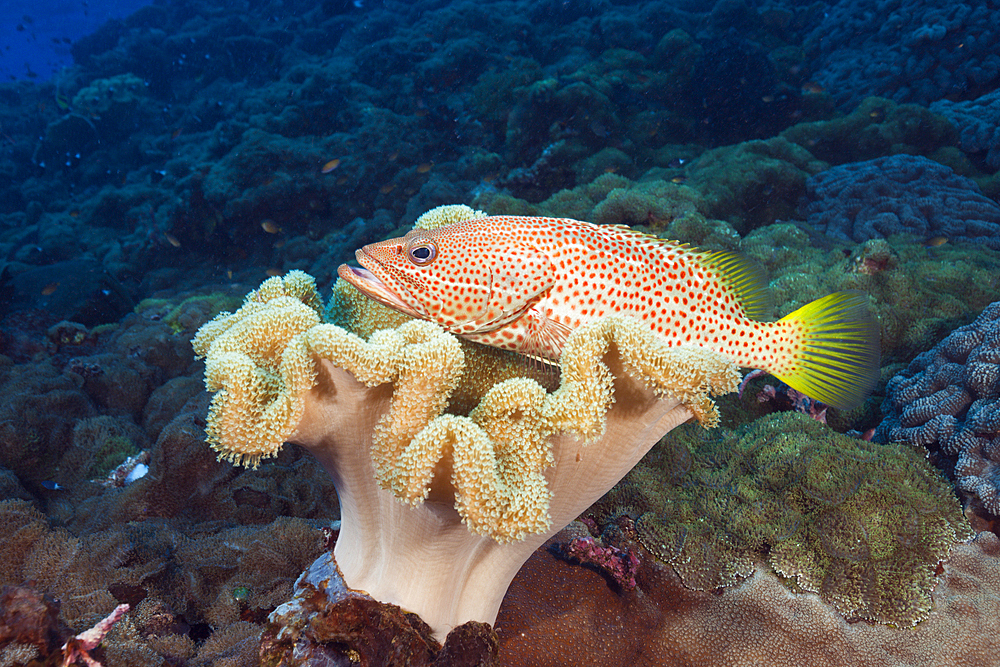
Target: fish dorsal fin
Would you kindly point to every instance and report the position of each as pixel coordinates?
(746, 278)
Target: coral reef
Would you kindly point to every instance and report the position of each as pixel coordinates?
(328, 622)
(978, 123)
(193, 578)
(173, 140)
(900, 194)
(862, 525)
(194, 149)
(918, 51)
(876, 127)
(559, 614)
(749, 184)
(948, 401)
(482, 491)
(166, 542)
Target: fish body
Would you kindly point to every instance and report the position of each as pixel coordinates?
(524, 284)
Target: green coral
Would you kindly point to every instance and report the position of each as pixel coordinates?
(653, 203)
(875, 128)
(112, 104)
(753, 183)
(111, 453)
(102, 96)
(189, 313)
(861, 524)
(668, 209)
(492, 93)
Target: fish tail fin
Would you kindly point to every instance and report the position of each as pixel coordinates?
(833, 355)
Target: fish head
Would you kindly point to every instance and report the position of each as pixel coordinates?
(465, 277)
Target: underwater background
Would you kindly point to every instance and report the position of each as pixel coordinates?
(158, 165)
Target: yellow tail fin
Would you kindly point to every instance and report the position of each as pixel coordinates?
(836, 360)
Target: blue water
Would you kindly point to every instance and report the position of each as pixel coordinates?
(35, 37)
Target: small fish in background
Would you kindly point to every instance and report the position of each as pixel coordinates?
(171, 239)
(49, 485)
(330, 166)
(812, 88)
(425, 167)
(270, 226)
(935, 242)
(524, 284)
(50, 289)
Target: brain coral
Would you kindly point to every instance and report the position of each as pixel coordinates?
(900, 194)
(862, 525)
(978, 123)
(948, 400)
(917, 51)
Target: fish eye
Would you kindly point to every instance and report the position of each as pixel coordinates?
(422, 252)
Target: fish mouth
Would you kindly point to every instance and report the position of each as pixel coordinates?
(371, 286)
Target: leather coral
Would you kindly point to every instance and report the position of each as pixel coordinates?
(451, 466)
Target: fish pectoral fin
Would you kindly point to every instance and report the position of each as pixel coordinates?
(546, 337)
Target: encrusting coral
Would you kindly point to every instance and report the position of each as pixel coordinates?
(861, 524)
(482, 491)
(560, 614)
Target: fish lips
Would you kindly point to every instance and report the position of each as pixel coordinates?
(374, 288)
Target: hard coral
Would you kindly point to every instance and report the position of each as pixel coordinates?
(521, 465)
(948, 400)
(558, 614)
(862, 525)
(328, 623)
(978, 123)
(877, 127)
(900, 194)
(918, 51)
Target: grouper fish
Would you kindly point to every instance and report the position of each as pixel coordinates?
(525, 283)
